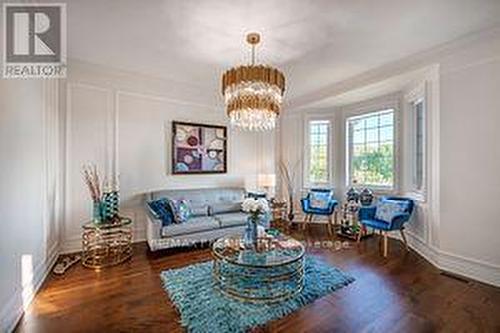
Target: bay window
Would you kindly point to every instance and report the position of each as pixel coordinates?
(417, 122)
(318, 152)
(370, 149)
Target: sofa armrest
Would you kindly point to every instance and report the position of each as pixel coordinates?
(153, 228)
(151, 213)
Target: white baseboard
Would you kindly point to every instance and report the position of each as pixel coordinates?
(472, 268)
(468, 267)
(13, 310)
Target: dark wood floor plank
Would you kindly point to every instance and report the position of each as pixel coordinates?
(402, 293)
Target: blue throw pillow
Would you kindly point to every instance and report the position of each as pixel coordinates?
(319, 200)
(387, 209)
(161, 208)
(181, 210)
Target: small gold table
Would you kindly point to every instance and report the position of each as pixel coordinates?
(106, 244)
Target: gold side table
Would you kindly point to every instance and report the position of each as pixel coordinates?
(278, 211)
(106, 244)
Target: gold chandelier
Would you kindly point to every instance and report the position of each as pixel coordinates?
(253, 94)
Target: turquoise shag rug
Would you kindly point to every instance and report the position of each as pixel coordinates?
(204, 309)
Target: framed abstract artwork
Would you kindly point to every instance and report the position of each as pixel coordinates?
(198, 148)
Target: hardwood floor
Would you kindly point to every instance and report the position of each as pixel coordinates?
(402, 293)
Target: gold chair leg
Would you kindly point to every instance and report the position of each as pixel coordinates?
(404, 239)
(360, 234)
(385, 244)
(330, 232)
(306, 221)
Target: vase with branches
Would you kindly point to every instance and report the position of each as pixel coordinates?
(288, 174)
(91, 178)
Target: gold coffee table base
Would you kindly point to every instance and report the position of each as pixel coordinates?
(267, 272)
(106, 245)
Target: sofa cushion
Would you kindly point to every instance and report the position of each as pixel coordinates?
(205, 196)
(199, 210)
(232, 219)
(161, 209)
(193, 225)
(225, 207)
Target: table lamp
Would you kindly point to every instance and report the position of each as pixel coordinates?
(267, 182)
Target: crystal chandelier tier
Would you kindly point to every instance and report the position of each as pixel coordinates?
(253, 94)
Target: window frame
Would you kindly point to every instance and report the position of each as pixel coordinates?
(390, 101)
(307, 183)
(418, 95)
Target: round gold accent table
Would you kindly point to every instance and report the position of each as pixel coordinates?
(271, 272)
(106, 244)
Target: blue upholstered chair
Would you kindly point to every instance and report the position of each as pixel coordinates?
(319, 202)
(389, 214)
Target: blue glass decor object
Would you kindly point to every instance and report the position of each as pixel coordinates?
(250, 237)
(352, 194)
(98, 212)
(111, 203)
(366, 197)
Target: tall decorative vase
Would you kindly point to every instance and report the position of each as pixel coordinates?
(111, 202)
(250, 238)
(366, 197)
(98, 212)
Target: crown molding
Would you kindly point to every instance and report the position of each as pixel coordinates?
(413, 62)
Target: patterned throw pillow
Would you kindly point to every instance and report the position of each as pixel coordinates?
(181, 210)
(161, 208)
(319, 200)
(387, 209)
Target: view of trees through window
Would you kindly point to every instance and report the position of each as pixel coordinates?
(371, 148)
(318, 151)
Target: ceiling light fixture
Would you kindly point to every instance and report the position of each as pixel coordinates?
(253, 94)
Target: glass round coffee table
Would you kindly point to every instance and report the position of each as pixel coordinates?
(270, 272)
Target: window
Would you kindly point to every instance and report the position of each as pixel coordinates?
(370, 147)
(418, 144)
(318, 152)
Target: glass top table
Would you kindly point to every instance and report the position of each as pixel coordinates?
(272, 271)
(106, 244)
(121, 221)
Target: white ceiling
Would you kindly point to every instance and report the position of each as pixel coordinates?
(316, 43)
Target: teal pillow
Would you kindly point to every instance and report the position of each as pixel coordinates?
(387, 209)
(181, 210)
(161, 208)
